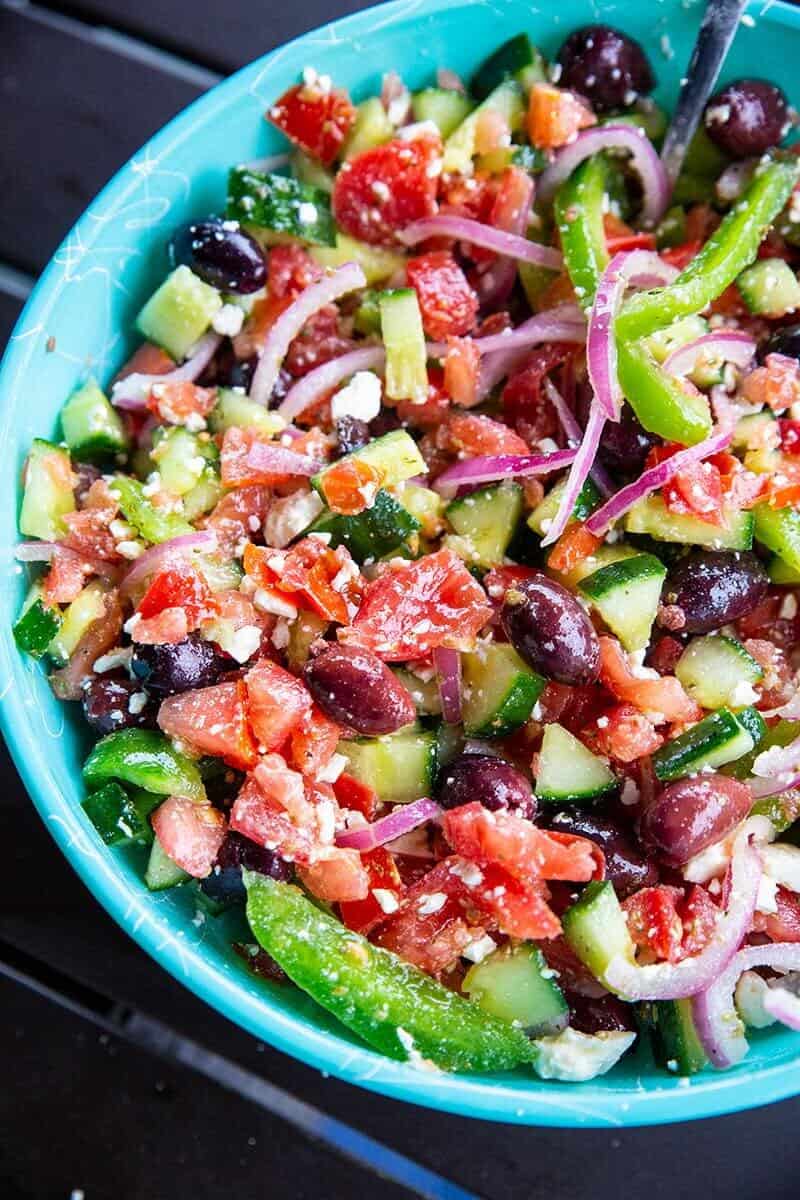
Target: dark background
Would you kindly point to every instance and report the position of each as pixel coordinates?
(82, 1114)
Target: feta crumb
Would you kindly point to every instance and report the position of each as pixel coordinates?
(121, 529)
(281, 634)
(130, 549)
(137, 702)
(271, 603)
(326, 821)
(360, 398)
(743, 694)
(243, 643)
(332, 769)
(630, 793)
(410, 133)
(387, 901)
(788, 610)
(467, 872)
(228, 320)
(290, 515)
(119, 657)
(307, 213)
(431, 904)
(478, 950)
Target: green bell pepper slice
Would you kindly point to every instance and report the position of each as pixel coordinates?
(392, 1005)
(578, 210)
(727, 252)
(664, 403)
(779, 530)
(145, 759)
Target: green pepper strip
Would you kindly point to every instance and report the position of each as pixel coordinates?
(578, 210)
(386, 1001)
(665, 404)
(145, 759)
(727, 252)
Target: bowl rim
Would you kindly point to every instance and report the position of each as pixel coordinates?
(512, 1099)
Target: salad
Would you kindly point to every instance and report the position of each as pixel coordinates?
(429, 574)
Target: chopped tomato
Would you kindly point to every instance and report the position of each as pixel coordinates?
(148, 359)
(237, 516)
(624, 733)
(290, 270)
(277, 703)
(699, 915)
(166, 628)
(701, 221)
(574, 545)
(433, 411)
(776, 384)
(740, 488)
(88, 527)
(319, 341)
(696, 491)
(337, 876)
(518, 907)
(784, 925)
(189, 833)
(315, 118)
(350, 486)
(555, 116)
(263, 315)
(513, 200)
(664, 696)
(620, 236)
(214, 720)
(681, 256)
(500, 579)
(313, 742)
(352, 793)
(729, 303)
(776, 686)
(179, 587)
(525, 406)
(431, 929)
(239, 460)
(448, 304)
(310, 575)
(413, 607)
(174, 402)
(462, 365)
(380, 191)
(790, 436)
(558, 291)
(285, 789)
(266, 822)
(473, 435)
(469, 196)
(67, 576)
(654, 923)
(364, 915)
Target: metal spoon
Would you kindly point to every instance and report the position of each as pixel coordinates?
(713, 42)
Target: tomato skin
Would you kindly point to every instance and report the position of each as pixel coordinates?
(696, 491)
(179, 587)
(315, 119)
(277, 703)
(784, 925)
(462, 365)
(625, 734)
(174, 402)
(518, 907)
(448, 304)
(473, 434)
(433, 411)
(574, 545)
(525, 406)
(432, 941)
(555, 116)
(665, 695)
(350, 486)
(352, 793)
(318, 342)
(313, 741)
(521, 848)
(305, 576)
(66, 577)
(336, 875)
(380, 191)
(699, 915)
(231, 517)
(620, 236)
(190, 833)
(654, 923)
(365, 915)
(214, 720)
(776, 383)
(681, 256)
(261, 819)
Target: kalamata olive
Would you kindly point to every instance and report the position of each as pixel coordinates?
(351, 434)
(491, 781)
(606, 66)
(712, 588)
(603, 1014)
(228, 371)
(355, 688)
(548, 628)
(747, 117)
(221, 253)
(237, 852)
(113, 702)
(627, 866)
(784, 341)
(625, 444)
(167, 669)
(694, 813)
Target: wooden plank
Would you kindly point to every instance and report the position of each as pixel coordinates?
(75, 108)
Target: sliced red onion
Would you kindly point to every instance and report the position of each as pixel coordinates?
(579, 472)
(562, 324)
(509, 245)
(316, 383)
(449, 81)
(783, 1005)
(644, 161)
(166, 554)
(729, 345)
(401, 821)
(654, 478)
(131, 392)
(488, 468)
(778, 761)
(574, 433)
(448, 669)
(44, 552)
(716, 1020)
(675, 981)
(790, 711)
(601, 345)
(270, 458)
(289, 324)
(762, 788)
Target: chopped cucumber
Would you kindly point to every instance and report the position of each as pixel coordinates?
(487, 519)
(447, 109)
(404, 339)
(371, 534)
(179, 312)
(596, 929)
(568, 771)
(400, 767)
(676, 1044)
(542, 516)
(517, 58)
(779, 530)
(425, 505)
(37, 624)
(93, 430)
(516, 984)
(716, 740)
(769, 288)
(627, 595)
(234, 409)
(308, 170)
(671, 230)
(603, 556)
(377, 262)
(302, 634)
(781, 573)
(717, 670)
(118, 817)
(424, 692)
(664, 404)
(180, 458)
(650, 515)
(754, 723)
(394, 456)
(646, 115)
(499, 690)
(372, 128)
(145, 759)
(367, 317)
(750, 429)
(48, 493)
(162, 872)
(281, 205)
(87, 607)
(205, 494)
(508, 100)
(153, 524)
(662, 343)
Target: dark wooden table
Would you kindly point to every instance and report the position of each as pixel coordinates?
(85, 1113)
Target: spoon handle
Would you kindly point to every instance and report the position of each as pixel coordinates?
(713, 42)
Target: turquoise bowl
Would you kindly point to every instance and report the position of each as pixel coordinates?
(79, 319)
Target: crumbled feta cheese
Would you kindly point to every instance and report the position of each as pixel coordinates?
(290, 515)
(310, 76)
(782, 863)
(307, 213)
(130, 549)
(478, 950)
(153, 484)
(243, 643)
(630, 793)
(121, 530)
(410, 133)
(281, 634)
(387, 901)
(743, 694)
(228, 320)
(270, 603)
(767, 896)
(788, 610)
(131, 623)
(137, 703)
(360, 398)
(332, 769)
(467, 872)
(431, 904)
(120, 657)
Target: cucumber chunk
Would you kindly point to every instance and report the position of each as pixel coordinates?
(568, 771)
(517, 58)
(307, 170)
(751, 429)
(627, 595)
(371, 534)
(145, 759)
(234, 409)
(394, 456)
(181, 458)
(377, 263)
(179, 312)
(716, 740)
(84, 610)
(779, 530)
(780, 572)
(716, 670)
(281, 205)
(372, 127)
(118, 817)
(596, 929)
(769, 288)
(153, 524)
(651, 516)
(499, 690)
(404, 339)
(400, 767)
(542, 516)
(459, 149)
(662, 343)
(516, 984)
(447, 109)
(37, 624)
(93, 430)
(162, 872)
(487, 519)
(48, 493)
(676, 1044)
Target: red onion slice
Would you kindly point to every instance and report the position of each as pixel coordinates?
(644, 160)
(654, 478)
(401, 821)
(449, 81)
(167, 554)
(716, 1020)
(783, 1005)
(316, 383)
(488, 468)
(270, 458)
(675, 981)
(509, 245)
(448, 669)
(726, 344)
(579, 472)
(44, 552)
(562, 324)
(347, 278)
(574, 433)
(131, 392)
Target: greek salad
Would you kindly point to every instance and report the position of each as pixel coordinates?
(429, 574)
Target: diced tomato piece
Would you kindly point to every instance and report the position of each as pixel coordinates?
(234, 517)
(337, 876)
(412, 607)
(89, 532)
(306, 575)
(265, 822)
(315, 118)
(285, 789)
(512, 203)
(148, 359)
(654, 922)
(574, 545)
(776, 686)
(352, 793)
(472, 435)
(462, 365)
(277, 703)
(433, 411)
(699, 915)
(319, 341)
(430, 929)
(664, 695)
(174, 402)
(364, 915)
(765, 621)
(514, 843)
(624, 733)
(741, 489)
(237, 463)
(784, 925)
(179, 587)
(313, 742)
(620, 236)
(681, 256)
(67, 576)
(518, 907)
(696, 491)
(665, 652)
(214, 720)
(525, 406)
(790, 436)
(290, 270)
(469, 196)
(380, 191)
(189, 833)
(350, 486)
(166, 628)
(500, 579)
(448, 304)
(776, 383)
(555, 116)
